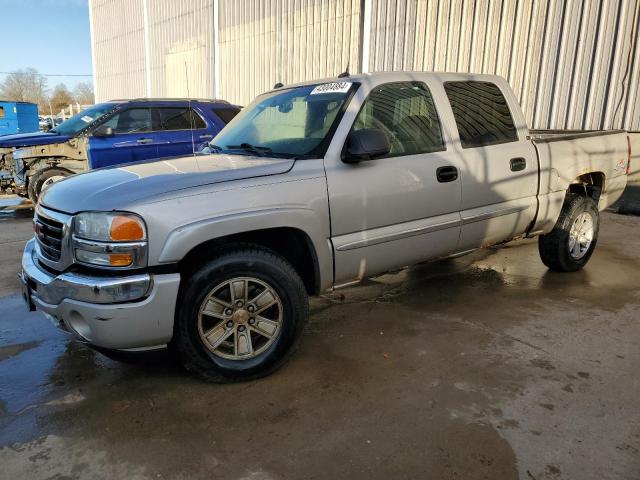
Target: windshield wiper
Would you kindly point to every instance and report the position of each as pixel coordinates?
(255, 149)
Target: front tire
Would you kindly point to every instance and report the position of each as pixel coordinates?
(569, 246)
(240, 316)
(43, 179)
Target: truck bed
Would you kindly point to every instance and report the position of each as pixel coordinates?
(542, 136)
(566, 156)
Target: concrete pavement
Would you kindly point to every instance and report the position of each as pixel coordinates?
(484, 367)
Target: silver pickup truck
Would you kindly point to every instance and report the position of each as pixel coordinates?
(312, 187)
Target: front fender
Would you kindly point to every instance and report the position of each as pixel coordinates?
(187, 237)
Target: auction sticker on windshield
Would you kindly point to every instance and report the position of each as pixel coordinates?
(86, 119)
(335, 87)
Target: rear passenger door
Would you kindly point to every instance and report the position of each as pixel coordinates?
(500, 171)
(181, 131)
(399, 209)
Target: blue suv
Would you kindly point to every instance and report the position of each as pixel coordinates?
(108, 134)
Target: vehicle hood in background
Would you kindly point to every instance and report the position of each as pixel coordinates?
(119, 188)
(32, 139)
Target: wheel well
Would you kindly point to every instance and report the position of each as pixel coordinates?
(292, 244)
(39, 165)
(588, 185)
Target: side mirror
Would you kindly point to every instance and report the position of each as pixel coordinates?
(103, 131)
(366, 144)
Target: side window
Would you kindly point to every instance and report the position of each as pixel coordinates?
(481, 112)
(406, 112)
(226, 114)
(132, 120)
(178, 118)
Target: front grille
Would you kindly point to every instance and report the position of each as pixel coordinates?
(49, 235)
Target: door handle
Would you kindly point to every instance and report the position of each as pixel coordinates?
(446, 174)
(144, 140)
(206, 136)
(517, 164)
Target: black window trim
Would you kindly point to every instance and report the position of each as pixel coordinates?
(482, 145)
(435, 106)
(122, 110)
(206, 124)
(232, 108)
(119, 109)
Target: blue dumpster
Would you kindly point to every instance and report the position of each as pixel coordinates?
(18, 117)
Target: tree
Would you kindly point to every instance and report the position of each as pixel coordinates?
(61, 97)
(83, 93)
(25, 86)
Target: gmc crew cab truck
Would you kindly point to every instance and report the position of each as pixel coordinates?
(312, 187)
(108, 134)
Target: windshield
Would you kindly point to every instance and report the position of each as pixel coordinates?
(83, 119)
(288, 123)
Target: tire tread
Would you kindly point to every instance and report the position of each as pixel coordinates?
(188, 353)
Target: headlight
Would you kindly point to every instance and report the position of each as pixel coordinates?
(110, 239)
(110, 227)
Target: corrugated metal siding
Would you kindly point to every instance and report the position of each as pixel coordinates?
(118, 44)
(180, 48)
(574, 64)
(265, 42)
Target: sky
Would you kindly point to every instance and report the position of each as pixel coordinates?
(51, 36)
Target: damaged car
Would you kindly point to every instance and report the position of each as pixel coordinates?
(108, 134)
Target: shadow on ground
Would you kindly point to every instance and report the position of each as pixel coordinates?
(487, 366)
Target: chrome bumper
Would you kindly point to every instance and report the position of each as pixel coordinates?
(53, 289)
(129, 312)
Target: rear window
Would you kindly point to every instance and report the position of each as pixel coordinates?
(481, 112)
(226, 114)
(178, 118)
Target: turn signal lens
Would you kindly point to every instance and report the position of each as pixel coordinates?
(120, 259)
(126, 228)
(104, 259)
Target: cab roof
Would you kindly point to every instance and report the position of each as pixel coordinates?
(383, 77)
(168, 100)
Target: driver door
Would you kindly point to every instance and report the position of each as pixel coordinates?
(396, 210)
(133, 139)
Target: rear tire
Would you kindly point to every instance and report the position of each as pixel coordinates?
(224, 332)
(44, 178)
(569, 246)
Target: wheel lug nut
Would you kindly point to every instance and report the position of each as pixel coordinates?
(228, 311)
(252, 321)
(241, 328)
(251, 308)
(229, 324)
(239, 303)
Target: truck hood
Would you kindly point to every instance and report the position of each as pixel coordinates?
(32, 139)
(119, 188)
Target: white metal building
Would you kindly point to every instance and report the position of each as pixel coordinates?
(575, 64)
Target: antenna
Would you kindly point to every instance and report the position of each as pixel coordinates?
(345, 73)
(191, 119)
(278, 85)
